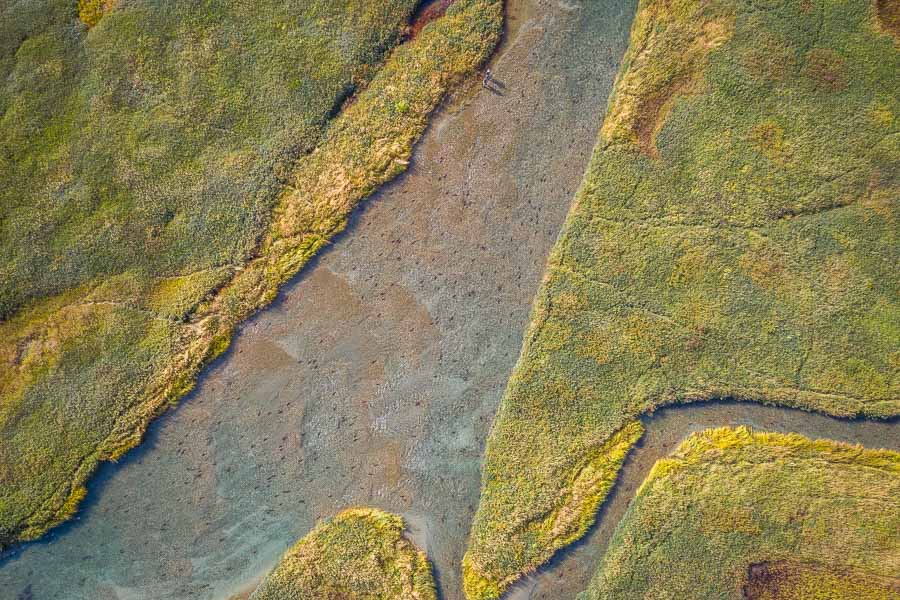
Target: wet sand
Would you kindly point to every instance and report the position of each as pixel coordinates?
(374, 378)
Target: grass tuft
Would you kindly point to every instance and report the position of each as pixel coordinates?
(91, 11)
(360, 554)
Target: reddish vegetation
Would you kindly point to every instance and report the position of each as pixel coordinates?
(431, 10)
(761, 582)
(889, 15)
(653, 111)
(787, 581)
(826, 69)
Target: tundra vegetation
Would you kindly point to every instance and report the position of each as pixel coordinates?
(737, 514)
(163, 169)
(735, 237)
(360, 554)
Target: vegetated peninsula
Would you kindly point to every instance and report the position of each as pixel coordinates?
(754, 516)
(735, 237)
(163, 169)
(360, 554)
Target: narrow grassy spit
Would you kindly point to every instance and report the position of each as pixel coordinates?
(161, 174)
(360, 554)
(735, 237)
(733, 514)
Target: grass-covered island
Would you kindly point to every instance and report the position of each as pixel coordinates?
(758, 516)
(360, 554)
(164, 168)
(735, 237)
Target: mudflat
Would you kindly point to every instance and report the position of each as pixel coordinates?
(374, 378)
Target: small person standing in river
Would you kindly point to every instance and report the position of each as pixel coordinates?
(487, 78)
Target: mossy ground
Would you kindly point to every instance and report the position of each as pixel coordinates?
(360, 554)
(163, 173)
(733, 514)
(735, 237)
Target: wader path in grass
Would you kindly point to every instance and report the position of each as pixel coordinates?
(735, 237)
(373, 379)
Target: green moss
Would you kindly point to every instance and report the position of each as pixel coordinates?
(359, 554)
(162, 134)
(734, 237)
(192, 183)
(733, 514)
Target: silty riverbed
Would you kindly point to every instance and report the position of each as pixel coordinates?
(374, 378)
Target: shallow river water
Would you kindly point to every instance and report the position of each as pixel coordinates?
(374, 378)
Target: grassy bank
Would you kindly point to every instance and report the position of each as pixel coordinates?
(360, 554)
(733, 514)
(196, 165)
(735, 237)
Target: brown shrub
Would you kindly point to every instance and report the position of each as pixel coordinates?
(825, 68)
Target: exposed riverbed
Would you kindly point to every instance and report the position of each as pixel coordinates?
(374, 379)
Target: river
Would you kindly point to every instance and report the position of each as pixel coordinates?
(374, 377)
